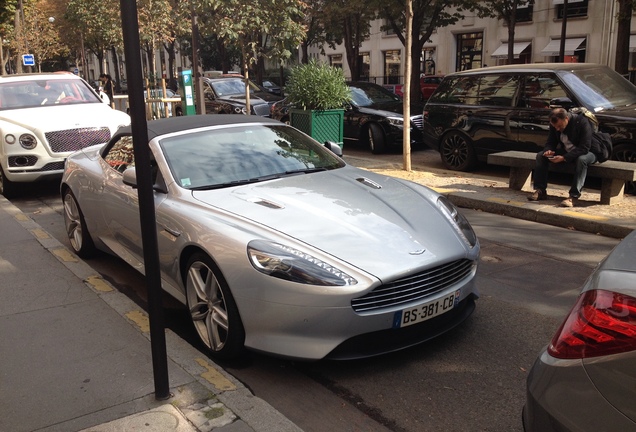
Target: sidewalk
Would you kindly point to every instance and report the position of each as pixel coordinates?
(76, 353)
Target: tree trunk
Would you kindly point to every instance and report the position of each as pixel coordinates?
(512, 22)
(406, 107)
(625, 8)
(352, 48)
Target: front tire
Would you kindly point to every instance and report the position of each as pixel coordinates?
(457, 152)
(7, 188)
(377, 140)
(212, 308)
(78, 235)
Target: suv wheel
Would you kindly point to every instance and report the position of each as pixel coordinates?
(376, 139)
(7, 188)
(457, 152)
(626, 153)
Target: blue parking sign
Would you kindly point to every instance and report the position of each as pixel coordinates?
(28, 60)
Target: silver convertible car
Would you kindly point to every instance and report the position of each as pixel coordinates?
(274, 243)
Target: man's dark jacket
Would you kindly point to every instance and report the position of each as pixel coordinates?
(579, 132)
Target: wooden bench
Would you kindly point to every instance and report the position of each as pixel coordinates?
(614, 174)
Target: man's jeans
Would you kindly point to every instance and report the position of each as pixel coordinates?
(540, 175)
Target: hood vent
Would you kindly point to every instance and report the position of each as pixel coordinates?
(367, 182)
(266, 203)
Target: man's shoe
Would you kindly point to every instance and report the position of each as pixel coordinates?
(538, 195)
(568, 202)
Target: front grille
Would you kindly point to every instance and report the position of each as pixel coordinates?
(415, 287)
(418, 121)
(76, 139)
(261, 110)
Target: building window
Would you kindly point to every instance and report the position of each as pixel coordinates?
(392, 62)
(575, 9)
(335, 60)
(364, 66)
(524, 13)
(469, 50)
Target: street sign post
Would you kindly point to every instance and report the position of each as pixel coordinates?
(28, 59)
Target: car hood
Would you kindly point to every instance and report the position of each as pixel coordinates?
(390, 109)
(240, 99)
(379, 224)
(65, 117)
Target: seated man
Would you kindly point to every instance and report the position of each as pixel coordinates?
(569, 141)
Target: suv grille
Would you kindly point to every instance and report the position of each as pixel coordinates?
(414, 287)
(418, 121)
(76, 139)
(261, 109)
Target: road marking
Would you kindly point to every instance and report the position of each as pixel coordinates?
(140, 319)
(214, 377)
(585, 216)
(22, 217)
(506, 201)
(40, 233)
(98, 284)
(64, 255)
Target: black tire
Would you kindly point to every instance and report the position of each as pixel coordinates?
(626, 153)
(376, 139)
(7, 188)
(212, 308)
(178, 111)
(457, 152)
(78, 235)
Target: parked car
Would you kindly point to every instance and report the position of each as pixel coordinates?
(272, 87)
(428, 84)
(482, 111)
(163, 109)
(585, 379)
(373, 118)
(274, 243)
(43, 119)
(227, 96)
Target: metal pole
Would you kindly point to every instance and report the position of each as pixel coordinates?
(146, 197)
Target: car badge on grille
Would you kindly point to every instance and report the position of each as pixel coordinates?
(417, 252)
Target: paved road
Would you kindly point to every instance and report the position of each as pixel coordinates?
(471, 379)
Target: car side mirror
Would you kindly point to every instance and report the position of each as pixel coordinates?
(334, 147)
(130, 177)
(562, 102)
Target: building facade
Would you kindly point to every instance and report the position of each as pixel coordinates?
(478, 42)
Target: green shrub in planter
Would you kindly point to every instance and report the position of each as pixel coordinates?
(317, 86)
(318, 92)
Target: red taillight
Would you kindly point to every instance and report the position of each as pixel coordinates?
(600, 323)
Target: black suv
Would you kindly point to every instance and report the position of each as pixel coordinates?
(481, 111)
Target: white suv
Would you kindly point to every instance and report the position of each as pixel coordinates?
(43, 119)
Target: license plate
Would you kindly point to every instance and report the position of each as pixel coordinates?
(426, 311)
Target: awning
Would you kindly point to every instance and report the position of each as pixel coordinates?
(632, 43)
(502, 51)
(571, 45)
(558, 2)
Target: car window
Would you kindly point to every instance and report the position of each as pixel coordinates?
(223, 156)
(539, 89)
(498, 90)
(229, 87)
(461, 90)
(363, 95)
(33, 93)
(600, 88)
(121, 155)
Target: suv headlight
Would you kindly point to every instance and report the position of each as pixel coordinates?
(290, 264)
(459, 222)
(396, 121)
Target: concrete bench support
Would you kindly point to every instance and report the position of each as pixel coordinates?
(613, 174)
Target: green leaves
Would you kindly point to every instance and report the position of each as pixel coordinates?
(317, 86)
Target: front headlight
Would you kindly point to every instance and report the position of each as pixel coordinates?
(459, 222)
(287, 263)
(28, 141)
(240, 110)
(396, 121)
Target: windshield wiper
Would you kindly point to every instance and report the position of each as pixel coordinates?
(236, 182)
(305, 170)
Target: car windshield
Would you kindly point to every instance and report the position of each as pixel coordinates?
(228, 87)
(372, 95)
(230, 156)
(600, 88)
(34, 93)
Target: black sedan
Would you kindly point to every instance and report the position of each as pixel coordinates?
(374, 117)
(227, 96)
